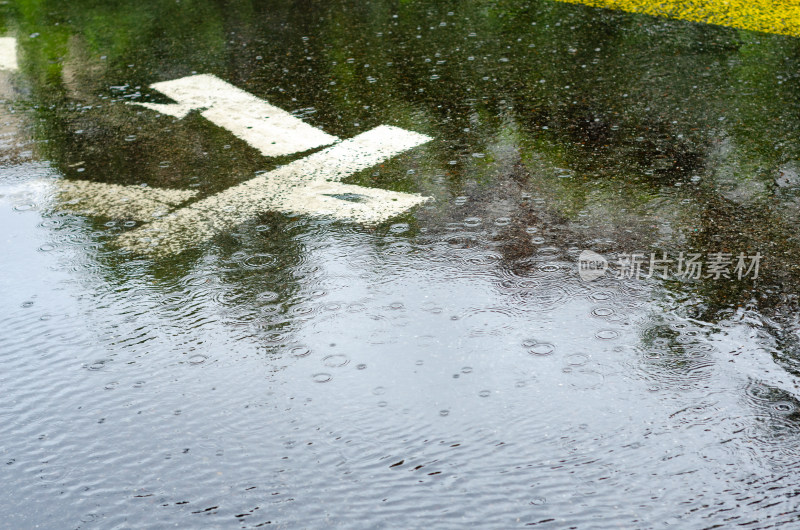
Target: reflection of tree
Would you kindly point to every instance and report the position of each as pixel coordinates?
(592, 130)
(672, 132)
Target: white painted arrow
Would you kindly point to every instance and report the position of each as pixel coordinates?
(311, 185)
(306, 186)
(271, 130)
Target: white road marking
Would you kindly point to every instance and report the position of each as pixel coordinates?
(305, 186)
(8, 53)
(271, 130)
(112, 200)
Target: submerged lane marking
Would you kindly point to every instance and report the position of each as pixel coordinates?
(8, 53)
(781, 17)
(306, 186)
(310, 185)
(112, 200)
(271, 130)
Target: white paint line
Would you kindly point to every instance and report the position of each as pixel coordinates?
(8, 53)
(301, 187)
(271, 130)
(123, 202)
(373, 205)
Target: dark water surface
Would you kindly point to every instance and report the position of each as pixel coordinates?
(448, 368)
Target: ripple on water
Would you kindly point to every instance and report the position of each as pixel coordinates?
(607, 334)
(510, 282)
(546, 298)
(774, 434)
(602, 295)
(180, 303)
(274, 338)
(495, 321)
(304, 311)
(335, 361)
(686, 339)
(577, 359)
(259, 261)
(784, 407)
(551, 268)
(602, 312)
(97, 365)
(322, 377)
(672, 367)
(51, 223)
(267, 296)
(480, 258)
(199, 280)
(462, 241)
(300, 351)
(432, 307)
(585, 378)
(541, 349)
(548, 252)
(227, 297)
(198, 358)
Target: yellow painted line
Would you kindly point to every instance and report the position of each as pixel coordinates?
(781, 17)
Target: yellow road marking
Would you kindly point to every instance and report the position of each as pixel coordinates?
(781, 17)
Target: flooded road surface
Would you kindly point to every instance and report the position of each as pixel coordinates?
(397, 264)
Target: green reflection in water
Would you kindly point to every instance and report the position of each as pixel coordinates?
(647, 134)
